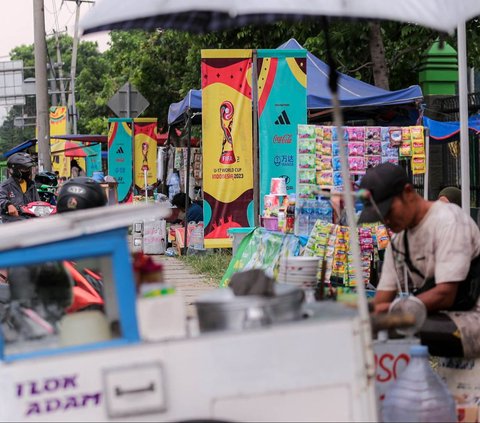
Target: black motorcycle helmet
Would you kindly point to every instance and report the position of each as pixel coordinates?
(80, 193)
(46, 178)
(21, 165)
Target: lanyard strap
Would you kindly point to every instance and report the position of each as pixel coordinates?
(408, 261)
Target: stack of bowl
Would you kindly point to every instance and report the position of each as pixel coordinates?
(299, 270)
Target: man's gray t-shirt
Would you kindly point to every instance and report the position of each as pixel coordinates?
(442, 245)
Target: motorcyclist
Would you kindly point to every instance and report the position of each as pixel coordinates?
(18, 189)
(79, 193)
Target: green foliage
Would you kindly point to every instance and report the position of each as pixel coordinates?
(165, 64)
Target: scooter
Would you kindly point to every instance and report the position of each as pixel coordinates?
(31, 210)
(47, 184)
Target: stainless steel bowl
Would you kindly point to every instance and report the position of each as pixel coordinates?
(250, 311)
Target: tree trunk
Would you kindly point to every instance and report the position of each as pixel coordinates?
(377, 53)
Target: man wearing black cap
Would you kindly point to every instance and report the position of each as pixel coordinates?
(433, 246)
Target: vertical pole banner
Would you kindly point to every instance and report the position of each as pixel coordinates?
(120, 156)
(144, 151)
(93, 161)
(227, 143)
(58, 126)
(282, 105)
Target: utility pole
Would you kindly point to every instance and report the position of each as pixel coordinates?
(41, 98)
(63, 99)
(73, 69)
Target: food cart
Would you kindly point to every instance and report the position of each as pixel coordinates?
(279, 372)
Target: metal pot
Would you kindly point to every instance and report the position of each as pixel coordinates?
(250, 311)
(239, 313)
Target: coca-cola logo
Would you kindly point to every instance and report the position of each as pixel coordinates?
(282, 139)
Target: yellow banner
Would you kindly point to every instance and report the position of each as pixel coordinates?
(58, 126)
(227, 143)
(145, 151)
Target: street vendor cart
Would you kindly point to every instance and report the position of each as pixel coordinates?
(313, 369)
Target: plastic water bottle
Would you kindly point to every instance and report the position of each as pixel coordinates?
(419, 394)
(302, 220)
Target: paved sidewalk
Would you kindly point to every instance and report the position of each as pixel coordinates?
(184, 278)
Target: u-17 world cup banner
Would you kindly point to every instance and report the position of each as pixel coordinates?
(120, 157)
(145, 151)
(282, 105)
(227, 143)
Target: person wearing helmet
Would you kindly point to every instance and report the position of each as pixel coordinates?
(79, 193)
(18, 189)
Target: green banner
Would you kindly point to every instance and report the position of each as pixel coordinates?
(282, 105)
(93, 161)
(120, 156)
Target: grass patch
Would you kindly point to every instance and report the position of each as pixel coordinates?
(211, 265)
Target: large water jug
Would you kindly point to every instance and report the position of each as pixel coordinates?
(419, 394)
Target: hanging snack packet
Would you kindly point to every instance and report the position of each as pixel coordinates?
(373, 133)
(319, 133)
(306, 176)
(306, 131)
(416, 132)
(306, 161)
(324, 178)
(418, 164)
(326, 163)
(356, 148)
(335, 148)
(327, 133)
(356, 133)
(306, 146)
(382, 237)
(405, 149)
(395, 137)
(372, 161)
(373, 147)
(356, 165)
(327, 148)
(336, 163)
(418, 146)
(385, 134)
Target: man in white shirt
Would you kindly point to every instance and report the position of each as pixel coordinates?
(431, 254)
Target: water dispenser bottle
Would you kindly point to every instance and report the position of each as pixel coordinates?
(419, 394)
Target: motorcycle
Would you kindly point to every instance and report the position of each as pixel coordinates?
(47, 185)
(31, 210)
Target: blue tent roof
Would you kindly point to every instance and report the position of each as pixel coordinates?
(193, 101)
(444, 132)
(20, 147)
(352, 92)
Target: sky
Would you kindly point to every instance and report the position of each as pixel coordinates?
(16, 25)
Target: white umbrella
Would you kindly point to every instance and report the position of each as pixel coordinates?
(211, 15)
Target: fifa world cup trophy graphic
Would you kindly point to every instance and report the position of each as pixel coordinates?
(226, 122)
(145, 156)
